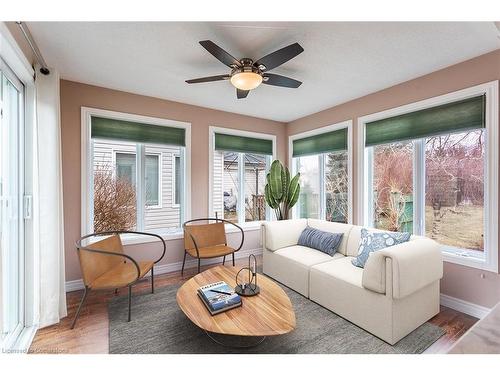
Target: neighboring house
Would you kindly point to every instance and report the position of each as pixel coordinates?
(226, 183)
(162, 187)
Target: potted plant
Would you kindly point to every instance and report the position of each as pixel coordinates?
(281, 192)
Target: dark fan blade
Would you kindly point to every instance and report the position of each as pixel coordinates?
(280, 56)
(277, 80)
(209, 79)
(219, 53)
(242, 94)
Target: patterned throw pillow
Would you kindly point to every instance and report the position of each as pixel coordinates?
(325, 242)
(375, 240)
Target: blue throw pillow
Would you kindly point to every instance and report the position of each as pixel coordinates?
(325, 242)
(375, 240)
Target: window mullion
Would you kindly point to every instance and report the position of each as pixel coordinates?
(90, 190)
(268, 165)
(240, 204)
(368, 210)
(419, 186)
(182, 184)
(322, 190)
(294, 170)
(140, 185)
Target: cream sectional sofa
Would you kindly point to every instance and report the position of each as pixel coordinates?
(396, 292)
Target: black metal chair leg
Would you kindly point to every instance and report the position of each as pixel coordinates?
(129, 301)
(80, 307)
(152, 281)
(199, 265)
(183, 263)
(233, 259)
(224, 260)
(116, 291)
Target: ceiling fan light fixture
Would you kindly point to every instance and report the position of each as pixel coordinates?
(246, 80)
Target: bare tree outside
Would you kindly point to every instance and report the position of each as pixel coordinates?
(114, 201)
(454, 188)
(392, 184)
(336, 187)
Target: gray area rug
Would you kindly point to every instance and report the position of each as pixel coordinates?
(159, 326)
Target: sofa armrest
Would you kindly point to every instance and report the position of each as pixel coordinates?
(415, 264)
(282, 233)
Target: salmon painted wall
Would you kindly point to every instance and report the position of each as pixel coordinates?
(469, 284)
(76, 95)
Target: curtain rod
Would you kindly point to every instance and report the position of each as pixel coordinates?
(38, 55)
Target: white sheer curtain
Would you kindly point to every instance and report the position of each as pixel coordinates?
(49, 201)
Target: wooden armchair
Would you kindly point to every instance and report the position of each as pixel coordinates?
(203, 241)
(104, 265)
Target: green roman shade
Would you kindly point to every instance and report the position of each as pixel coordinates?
(318, 144)
(137, 132)
(235, 143)
(447, 118)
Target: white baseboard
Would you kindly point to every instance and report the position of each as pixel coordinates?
(465, 307)
(73, 285)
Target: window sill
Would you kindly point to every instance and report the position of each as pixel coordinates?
(468, 258)
(178, 234)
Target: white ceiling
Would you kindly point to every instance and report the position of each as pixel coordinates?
(341, 61)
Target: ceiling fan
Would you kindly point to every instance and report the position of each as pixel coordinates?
(246, 74)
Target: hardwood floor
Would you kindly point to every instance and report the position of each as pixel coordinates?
(91, 331)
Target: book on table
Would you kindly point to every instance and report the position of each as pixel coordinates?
(219, 297)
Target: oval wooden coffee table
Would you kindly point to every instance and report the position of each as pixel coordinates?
(269, 313)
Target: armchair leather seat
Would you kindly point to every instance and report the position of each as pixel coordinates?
(211, 251)
(121, 275)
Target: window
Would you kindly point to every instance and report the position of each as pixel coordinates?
(392, 186)
(176, 188)
(454, 189)
(136, 166)
(309, 198)
(125, 167)
(11, 219)
(426, 171)
(239, 165)
(255, 182)
(125, 170)
(337, 186)
(323, 160)
(153, 180)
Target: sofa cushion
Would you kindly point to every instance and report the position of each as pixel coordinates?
(326, 242)
(291, 265)
(282, 233)
(341, 269)
(372, 241)
(332, 227)
(305, 255)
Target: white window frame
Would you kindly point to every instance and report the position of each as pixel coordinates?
(22, 69)
(87, 167)
(241, 181)
(173, 204)
(326, 129)
(489, 261)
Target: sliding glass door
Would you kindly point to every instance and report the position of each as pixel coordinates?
(11, 220)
